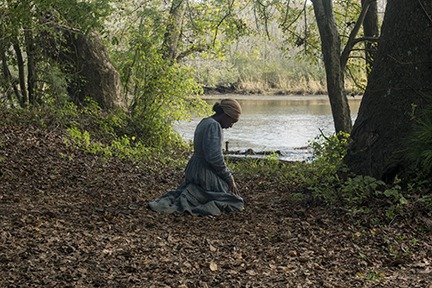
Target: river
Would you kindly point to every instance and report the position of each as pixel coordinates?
(270, 123)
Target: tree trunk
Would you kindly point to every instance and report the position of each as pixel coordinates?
(173, 30)
(396, 92)
(370, 31)
(21, 73)
(85, 60)
(330, 44)
(8, 78)
(31, 65)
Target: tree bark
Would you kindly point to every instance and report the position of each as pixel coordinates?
(173, 30)
(370, 31)
(330, 44)
(86, 60)
(21, 73)
(397, 91)
(8, 78)
(31, 65)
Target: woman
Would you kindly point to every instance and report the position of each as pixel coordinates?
(209, 187)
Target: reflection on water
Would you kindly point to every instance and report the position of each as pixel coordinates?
(285, 125)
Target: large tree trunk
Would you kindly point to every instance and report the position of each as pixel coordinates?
(91, 74)
(396, 91)
(330, 44)
(95, 77)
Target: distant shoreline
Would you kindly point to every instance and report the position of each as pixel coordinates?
(265, 97)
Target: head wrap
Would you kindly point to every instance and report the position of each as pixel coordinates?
(231, 107)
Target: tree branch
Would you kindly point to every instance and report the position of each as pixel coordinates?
(366, 39)
(191, 50)
(351, 39)
(263, 7)
(292, 22)
(223, 19)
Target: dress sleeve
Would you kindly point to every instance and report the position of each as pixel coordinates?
(212, 148)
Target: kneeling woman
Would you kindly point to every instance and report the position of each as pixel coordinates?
(209, 187)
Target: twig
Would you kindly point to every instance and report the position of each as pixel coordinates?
(322, 134)
(292, 22)
(356, 83)
(366, 39)
(222, 20)
(424, 10)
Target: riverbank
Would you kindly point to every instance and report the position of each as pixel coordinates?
(291, 97)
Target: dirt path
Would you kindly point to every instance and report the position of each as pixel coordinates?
(74, 220)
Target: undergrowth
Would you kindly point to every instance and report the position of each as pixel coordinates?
(107, 134)
(327, 181)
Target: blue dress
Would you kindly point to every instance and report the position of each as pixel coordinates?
(205, 190)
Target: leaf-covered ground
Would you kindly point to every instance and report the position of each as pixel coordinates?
(69, 219)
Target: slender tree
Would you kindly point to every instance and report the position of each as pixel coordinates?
(336, 61)
(330, 43)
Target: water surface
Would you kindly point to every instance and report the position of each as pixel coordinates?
(269, 123)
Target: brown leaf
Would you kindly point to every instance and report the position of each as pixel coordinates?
(213, 266)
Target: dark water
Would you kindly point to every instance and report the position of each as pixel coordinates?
(281, 123)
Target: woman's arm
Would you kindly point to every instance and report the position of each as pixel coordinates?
(212, 147)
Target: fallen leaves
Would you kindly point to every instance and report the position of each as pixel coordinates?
(69, 219)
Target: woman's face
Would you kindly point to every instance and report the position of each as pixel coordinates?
(227, 122)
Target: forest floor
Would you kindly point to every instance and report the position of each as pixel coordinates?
(70, 219)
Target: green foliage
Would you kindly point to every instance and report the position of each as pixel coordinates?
(419, 149)
(322, 176)
(359, 190)
(107, 134)
(327, 181)
(330, 149)
(122, 147)
(116, 134)
(160, 90)
(356, 192)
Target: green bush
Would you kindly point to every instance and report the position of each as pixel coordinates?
(356, 193)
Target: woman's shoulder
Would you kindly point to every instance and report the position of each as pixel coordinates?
(208, 122)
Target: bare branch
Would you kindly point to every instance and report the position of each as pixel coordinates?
(354, 79)
(351, 39)
(366, 39)
(286, 13)
(191, 50)
(292, 22)
(265, 18)
(223, 19)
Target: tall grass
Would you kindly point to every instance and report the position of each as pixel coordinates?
(258, 65)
